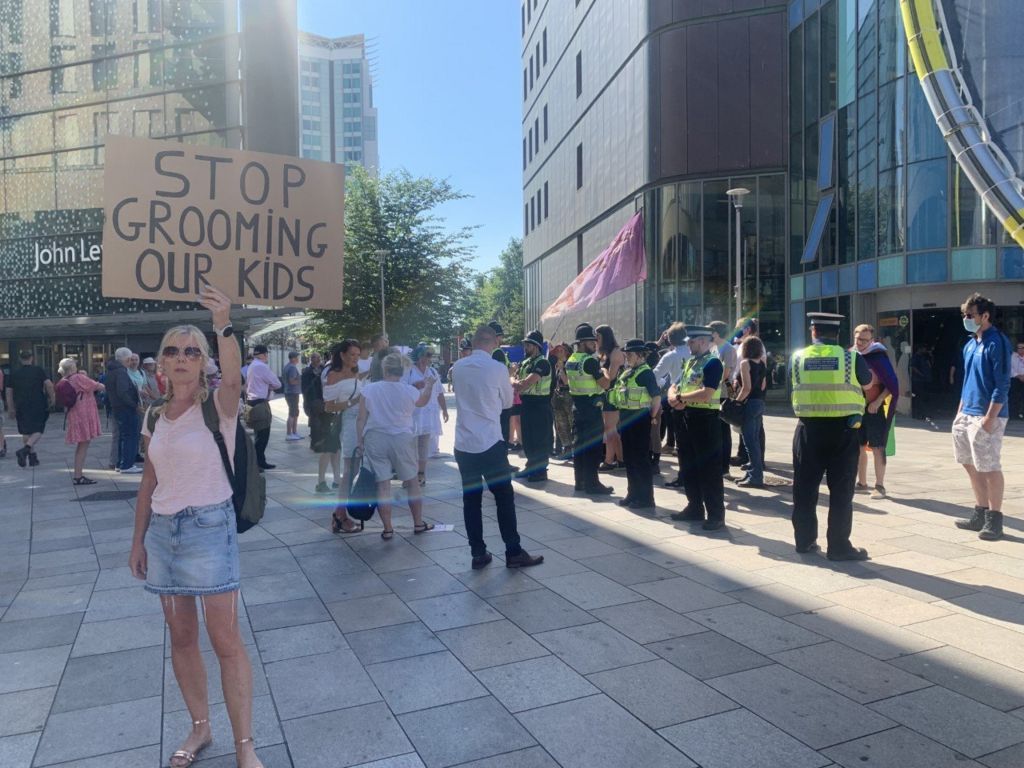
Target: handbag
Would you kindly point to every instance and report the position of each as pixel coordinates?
(362, 496)
(733, 412)
(259, 416)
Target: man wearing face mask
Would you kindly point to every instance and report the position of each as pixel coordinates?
(982, 416)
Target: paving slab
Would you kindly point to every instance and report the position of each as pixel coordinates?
(91, 732)
(593, 647)
(857, 630)
(534, 683)
(370, 613)
(708, 654)
(683, 595)
(801, 707)
(39, 668)
(487, 645)
(309, 685)
(131, 758)
(265, 729)
(107, 678)
(398, 641)
(418, 583)
(754, 628)
(302, 640)
(465, 731)
(595, 732)
(660, 694)
(17, 751)
(1011, 757)
(740, 739)
(534, 757)
(419, 682)
(24, 711)
(647, 621)
(590, 590)
(119, 635)
(980, 679)
(540, 611)
(455, 610)
(350, 737)
(627, 569)
(851, 673)
(897, 748)
(45, 632)
(952, 719)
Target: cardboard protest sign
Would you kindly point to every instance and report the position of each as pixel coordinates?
(265, 229)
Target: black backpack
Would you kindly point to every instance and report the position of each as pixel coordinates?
(248, 486)
(362, 496)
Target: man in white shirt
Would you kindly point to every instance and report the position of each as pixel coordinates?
(668, 372)
(260, 381)
(482, 391)
(1017, 382)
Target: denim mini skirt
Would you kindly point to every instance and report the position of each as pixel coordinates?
(193, 552)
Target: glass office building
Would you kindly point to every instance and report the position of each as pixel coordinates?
(883, 225)
(72, 72)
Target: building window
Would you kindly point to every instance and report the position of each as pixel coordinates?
(528, 12)
(524, 154)
(538, 206)
(579, 166)
(531, 72)
(536, 58)
(524, 85)
(545, 123)
(579, 248)
(351, 98)
(526, 220)
(529, 141)
(104, 70)
(523, 14)
(544, 44)
(536, 135)
(545, 199)
(533, 211)
(579, 74)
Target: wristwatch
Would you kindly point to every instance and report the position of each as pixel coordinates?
(226, 332)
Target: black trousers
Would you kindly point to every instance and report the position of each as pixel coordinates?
(635, 429)
(489, 468)
(536, 421)
(589, 443)
(1016, 398)
(726, 446)
(824, 447)
(506, 419)
(699, 439)
(262, 438)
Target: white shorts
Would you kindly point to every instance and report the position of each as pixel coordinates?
(973, 445)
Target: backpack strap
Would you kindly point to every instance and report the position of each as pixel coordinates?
(212, 419)
(152, 415)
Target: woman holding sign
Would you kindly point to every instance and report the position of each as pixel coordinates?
(186, 544)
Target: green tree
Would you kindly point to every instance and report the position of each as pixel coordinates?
(498, 295)
(426, 281)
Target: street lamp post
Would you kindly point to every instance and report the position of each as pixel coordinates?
(736, 196)
(381, 256)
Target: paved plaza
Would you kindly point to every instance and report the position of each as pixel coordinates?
(638, 642)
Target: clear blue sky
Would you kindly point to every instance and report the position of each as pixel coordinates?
(447, 86)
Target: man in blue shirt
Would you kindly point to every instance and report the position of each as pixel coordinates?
(982, 415)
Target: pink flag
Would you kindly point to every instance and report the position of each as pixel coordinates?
(620, 265)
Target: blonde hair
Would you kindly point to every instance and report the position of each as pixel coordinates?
(197, 339)
(864, 327)
(65, 366)
(395, 364)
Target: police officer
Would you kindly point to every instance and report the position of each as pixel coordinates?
(534, 387)
(697, 397)
(587, 384)
(637, 396)
(828, 398)
(501, 357)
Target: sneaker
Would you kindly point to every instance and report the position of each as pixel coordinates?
(293, 438)
(878, 492)
(131, 471)
(523, 560)
(322, 488)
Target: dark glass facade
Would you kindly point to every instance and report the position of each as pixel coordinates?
(897, 211)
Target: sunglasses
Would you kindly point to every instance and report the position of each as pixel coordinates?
(192, 353)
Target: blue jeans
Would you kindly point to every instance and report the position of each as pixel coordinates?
(128, 438)
(751, 428)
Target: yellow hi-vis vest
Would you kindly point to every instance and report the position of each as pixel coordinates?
(693, 380)
(627, 395)
(825, 382)
(580, 383)
(541, 387)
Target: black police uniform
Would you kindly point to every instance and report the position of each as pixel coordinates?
(588, 425)
(699, 442)
(635, 429)
(826, 447)
(537, 421)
